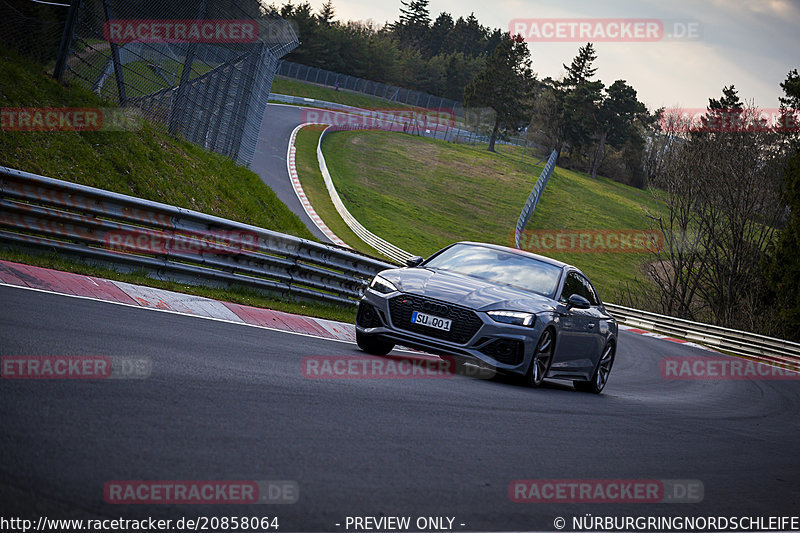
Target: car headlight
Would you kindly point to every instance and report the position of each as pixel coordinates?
(382, 285)
(516, 318)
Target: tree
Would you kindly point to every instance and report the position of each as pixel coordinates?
(312, 51)
(581, 103)
(790, 108)
(783, 262)
(615, 118)
(414, 23)
(580, 97)
(440, 58)
(724, 114)
(721, 198)
(505, 85)
(437, 35)
(547, 120)
(581, 70)
(326, 13)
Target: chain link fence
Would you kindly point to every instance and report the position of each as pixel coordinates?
(345, 82)
(204, 68)
(32, 29)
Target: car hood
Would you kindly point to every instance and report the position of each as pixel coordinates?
(466, 291)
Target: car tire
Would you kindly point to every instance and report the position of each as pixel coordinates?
(373, 345)
(541, 360)
(601, 372)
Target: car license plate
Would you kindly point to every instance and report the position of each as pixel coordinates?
(431, 321)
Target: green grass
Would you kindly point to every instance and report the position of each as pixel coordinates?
(140, 79)
(147, 163)
(320, 92)
(421, 195)
(314, 187)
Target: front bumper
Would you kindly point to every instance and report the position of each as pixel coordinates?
(504, 347)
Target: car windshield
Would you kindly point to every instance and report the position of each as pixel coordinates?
(498, 266)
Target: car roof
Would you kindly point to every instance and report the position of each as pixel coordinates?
(517, 251)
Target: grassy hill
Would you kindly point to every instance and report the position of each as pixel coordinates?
(147, 163)
(422, 194)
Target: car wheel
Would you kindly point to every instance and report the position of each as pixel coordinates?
(542, 359)
(601, 372)
(373, 345)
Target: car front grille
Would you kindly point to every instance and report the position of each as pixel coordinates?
(465, 323)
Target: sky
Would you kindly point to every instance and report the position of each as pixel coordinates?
(751, 44)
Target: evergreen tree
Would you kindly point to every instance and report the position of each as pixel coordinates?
(580, 97)
(326, 14)
(581, 69)
(505, 85)
(437, 35)
(783, 263)
(414, 23)
(724, 114)
(615, 118)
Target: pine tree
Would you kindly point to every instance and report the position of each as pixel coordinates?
(581, 69)
(505, 85)
(414, 23)
(326, 13)
(783, 263)
(580, 97)
(615, 118)
(724, 114)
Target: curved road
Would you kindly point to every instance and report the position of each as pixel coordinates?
(227, 401)
(269, 160)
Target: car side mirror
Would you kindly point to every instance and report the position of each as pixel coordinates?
(414, 261)
(578, 302)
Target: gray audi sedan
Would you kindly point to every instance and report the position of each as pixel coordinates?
(497, 307)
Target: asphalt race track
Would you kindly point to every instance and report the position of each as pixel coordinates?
(229, 402)
(269, 160)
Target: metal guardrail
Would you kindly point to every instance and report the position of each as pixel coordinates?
(533, 198)
(455, 133)
(302, 100)
(386, 248)
(49, 214)
(768, 349)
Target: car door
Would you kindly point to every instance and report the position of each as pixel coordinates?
(576, 337)
(597, 326)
